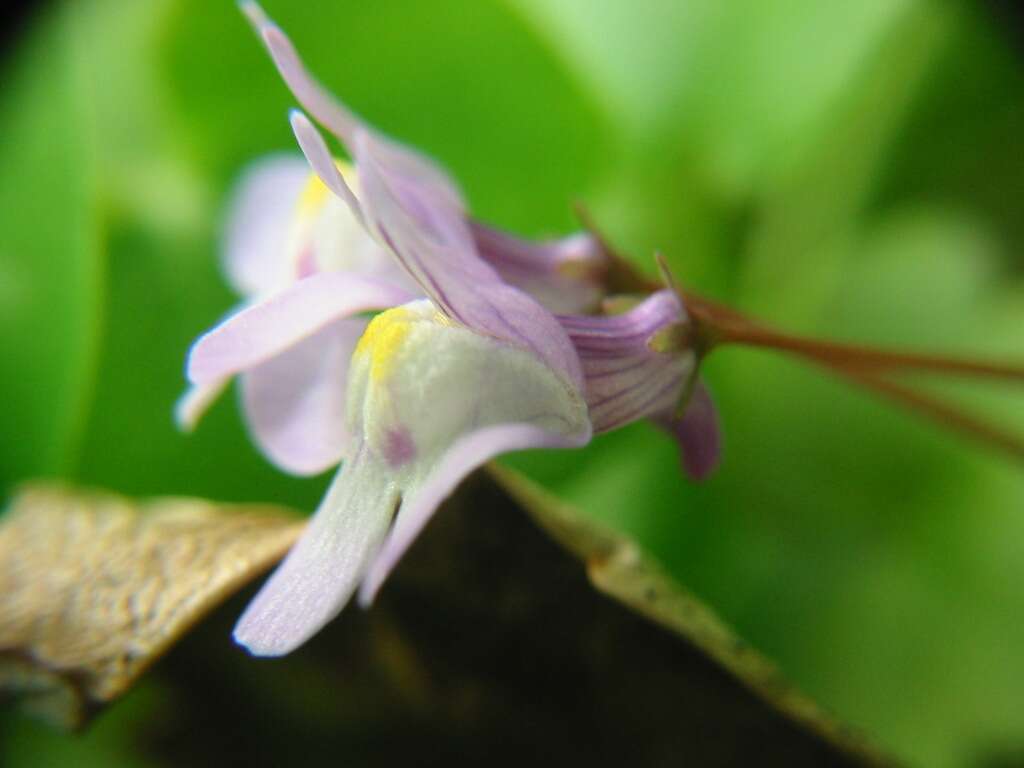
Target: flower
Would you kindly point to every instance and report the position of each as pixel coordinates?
(462, 364)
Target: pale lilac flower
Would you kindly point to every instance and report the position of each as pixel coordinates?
(436, 387)
(433, 388)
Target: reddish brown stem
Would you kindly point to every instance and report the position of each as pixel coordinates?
(948, 416)
(868, 358)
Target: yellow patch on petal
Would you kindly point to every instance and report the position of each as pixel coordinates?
(383, 338)
(308, 210)
(316, 193)
(312, 198)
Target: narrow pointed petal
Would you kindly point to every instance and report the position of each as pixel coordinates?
(563, 274)
(196, 401)
(468, 453)
(319, 157)
(262, 210)
(257, 333)
(295, 402)
(627, 379)
(698, 433)
(310, 94)
(322, 571)
(330, 112)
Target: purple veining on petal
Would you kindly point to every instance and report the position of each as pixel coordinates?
(600, 373)
(562, 274)
(697, 432)
(399, 447)
(625, 379)
(665, 395)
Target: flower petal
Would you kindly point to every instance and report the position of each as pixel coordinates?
(322, 571)
(563, 274)
(468, 453)
(259, 224)
(319, 157)
(295, 401)
(626, 379)
(697, 432)
(310, 94)
(258, 332)
(197, 399)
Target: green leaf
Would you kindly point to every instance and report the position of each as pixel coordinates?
(50, 262)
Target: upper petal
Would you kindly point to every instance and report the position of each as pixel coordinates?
(258, 332)
(295, 401)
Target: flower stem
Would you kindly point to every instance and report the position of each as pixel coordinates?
(728, 329)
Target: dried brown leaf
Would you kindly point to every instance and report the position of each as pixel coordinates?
(94, 588)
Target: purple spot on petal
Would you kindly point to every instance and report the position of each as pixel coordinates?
(399, 448)
(306, 264)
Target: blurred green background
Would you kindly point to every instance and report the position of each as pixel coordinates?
(851, 170)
